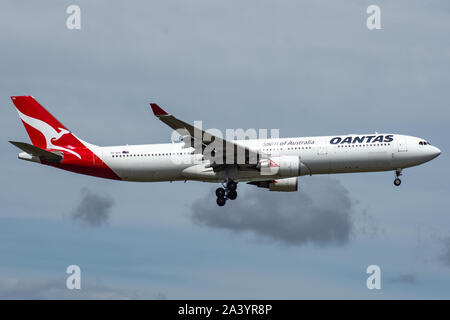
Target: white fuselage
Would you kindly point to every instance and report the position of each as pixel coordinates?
(318, 155)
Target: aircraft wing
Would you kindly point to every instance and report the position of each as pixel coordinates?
(216, 149)
(38, 152)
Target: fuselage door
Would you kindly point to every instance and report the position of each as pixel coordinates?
(321, 163)
(402, 147)
(322, 150)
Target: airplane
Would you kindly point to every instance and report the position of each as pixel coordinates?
(274, 164)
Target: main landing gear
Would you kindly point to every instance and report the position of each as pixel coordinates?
(229, 192)
(397, 180)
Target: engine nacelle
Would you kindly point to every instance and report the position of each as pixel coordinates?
(284, 166)
(284, 185)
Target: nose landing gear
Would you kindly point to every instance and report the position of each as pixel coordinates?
(397, 180)
(229, 192)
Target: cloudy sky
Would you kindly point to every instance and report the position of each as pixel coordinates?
(305, 67)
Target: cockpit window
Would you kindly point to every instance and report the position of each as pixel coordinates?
(424, 143)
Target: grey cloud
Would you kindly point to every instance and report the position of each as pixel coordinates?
(93, 209)
(366, 224)
(160, 296)
(55, 288)
(405, 278)
(320, 213)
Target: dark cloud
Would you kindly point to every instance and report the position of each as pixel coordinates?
(445, 253)
(93, 209)
(405, 278)
(366, 224)
(320, 213)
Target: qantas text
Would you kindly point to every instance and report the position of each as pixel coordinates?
(362, 139)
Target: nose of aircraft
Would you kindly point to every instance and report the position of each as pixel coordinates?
(434, 152)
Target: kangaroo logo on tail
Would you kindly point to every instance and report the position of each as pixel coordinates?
(50, 134)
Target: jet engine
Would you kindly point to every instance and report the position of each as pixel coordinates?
(284, 166)
(285, 185)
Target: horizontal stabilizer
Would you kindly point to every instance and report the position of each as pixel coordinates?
(38, 152)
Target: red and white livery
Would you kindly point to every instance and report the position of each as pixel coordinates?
(274, 164)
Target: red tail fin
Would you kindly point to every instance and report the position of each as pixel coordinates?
(44, 130)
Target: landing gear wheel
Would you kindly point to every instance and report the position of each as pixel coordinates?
(229, 192)
(220, 193)
(232, 194)
(221, 201)
(397, 181)
(231, 185)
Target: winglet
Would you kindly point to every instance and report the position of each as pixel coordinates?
(157, 110)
